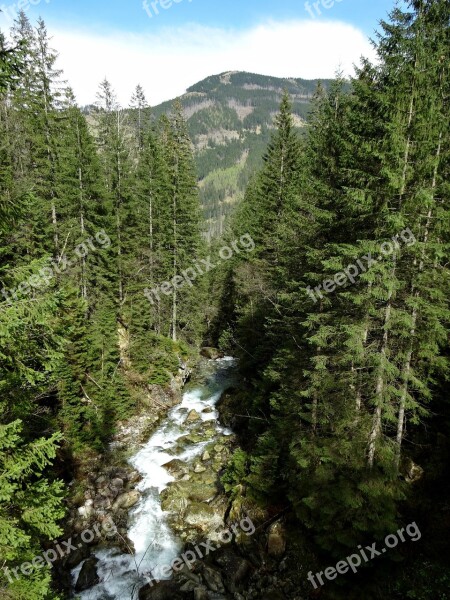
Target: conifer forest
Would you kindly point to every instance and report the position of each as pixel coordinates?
(224, 326)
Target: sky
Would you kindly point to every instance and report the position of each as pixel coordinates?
(169, 45)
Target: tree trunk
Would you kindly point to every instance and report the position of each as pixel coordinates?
(380, 387)
(377, 418)
(175, 265)
(407, 365)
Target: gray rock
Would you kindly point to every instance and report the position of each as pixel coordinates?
(126, 500)
(211, 353)
(174, 504)
(192, 416)
(102, 503)
(235, 569)
(123, 474)
(105, 492)
(213, 579)
(202, 489)
(177, 468)
(114, 492)
(134, 477)
(163, 590)
(204, 517)
(76, 556)
(189, 586)
(117, 483)
(86, 511)
(88, 576)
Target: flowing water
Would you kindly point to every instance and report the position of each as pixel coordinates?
(122, 575)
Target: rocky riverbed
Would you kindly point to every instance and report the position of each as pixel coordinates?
(162, 490)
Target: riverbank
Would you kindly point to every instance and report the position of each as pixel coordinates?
(110, 488)
(160, 484)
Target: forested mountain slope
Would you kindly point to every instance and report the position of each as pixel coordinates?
(90, 218)
(330, 288)
(230, 117)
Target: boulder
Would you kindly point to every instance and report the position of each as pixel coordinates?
(76, 556)
(117, 483)
(134, 477)
(86, 511)
(174, 504)
(177, 468)
(199, 468)
(235, 569)
(122, 473)
(206, 456)
(203, 517)
(102, 503)
(88, 576)
(105, 492)
(200, 489)
(126, 500)
(162, 590)
(200, 593)
(213, 579)
(188, 586)
(192, 416)
(211, 353)
(114, 493)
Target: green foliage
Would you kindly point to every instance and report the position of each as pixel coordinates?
(10, 64)
(30, 507)
(429, 581)
(90, 215)
(339, 383)
(236, 471)
(158, 358)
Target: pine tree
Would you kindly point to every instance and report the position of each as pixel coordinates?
(184, 241)
(115, 160)
(350, 366)
(140, 107)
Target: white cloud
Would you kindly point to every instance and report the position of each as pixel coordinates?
(174, 59)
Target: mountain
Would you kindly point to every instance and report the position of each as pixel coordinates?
(230, 118)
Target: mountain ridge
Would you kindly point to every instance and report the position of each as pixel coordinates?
(230, 117)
